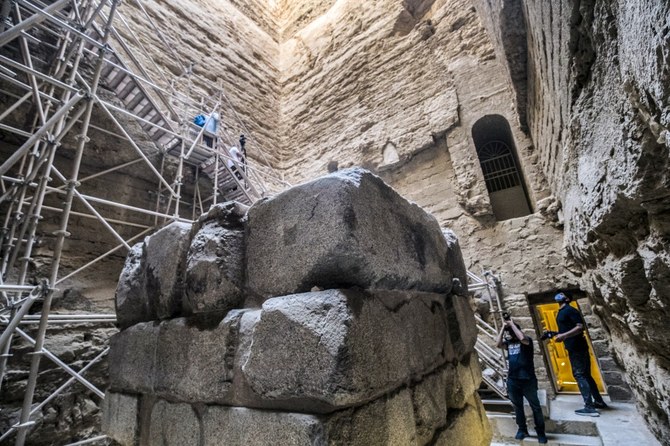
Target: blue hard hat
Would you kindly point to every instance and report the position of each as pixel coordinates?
(560, 297)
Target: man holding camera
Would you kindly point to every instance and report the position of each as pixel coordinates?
(521, 379)
(571, 333)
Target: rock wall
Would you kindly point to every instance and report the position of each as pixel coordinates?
(598, 102)
(233, 44)
(329, 346)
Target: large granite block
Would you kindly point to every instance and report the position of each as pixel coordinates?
(346, 229)
(388, 420)
(194, 362)
(215, 261)
(166, 256)
(466, 426)
(338, 348)
(463, 380)
(151, 281)
(120, 418)
(132, 358)
(242, 426)
(462, 326)
(175, 424)
(131, 301)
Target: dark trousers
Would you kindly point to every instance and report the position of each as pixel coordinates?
(517, 389)
(580, 361)
(208, 140)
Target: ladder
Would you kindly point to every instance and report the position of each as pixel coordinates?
(492, 360)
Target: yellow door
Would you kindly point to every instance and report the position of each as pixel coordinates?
(557, 355)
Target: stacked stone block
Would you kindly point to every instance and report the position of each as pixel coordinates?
(327, 315)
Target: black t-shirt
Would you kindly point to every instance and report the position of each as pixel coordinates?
(520, 359)
(567, 318)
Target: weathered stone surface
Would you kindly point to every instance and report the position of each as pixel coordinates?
(463, 381)
(242, 426)
(166, 253)
(132, 358)
(215, 261)
(386, 421)
(195, 362)
(455, 263)
(358, 346)
(467, 426)
(346, 229)
(174, 425)
(132, 303)
(151, 282)
(429, 399)
(462, 327)
(120, 418)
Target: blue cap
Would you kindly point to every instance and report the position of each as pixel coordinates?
(560, 297)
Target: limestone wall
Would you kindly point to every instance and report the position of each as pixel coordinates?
(232, 43)
(598, 101)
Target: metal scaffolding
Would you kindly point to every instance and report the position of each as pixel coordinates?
(54, 59)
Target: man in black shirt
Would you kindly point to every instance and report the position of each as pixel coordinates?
(521, 379)
(571, 332)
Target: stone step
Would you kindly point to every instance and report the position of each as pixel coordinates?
(565, 440)
(504, 428)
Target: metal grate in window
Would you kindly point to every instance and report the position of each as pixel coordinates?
(498, 165)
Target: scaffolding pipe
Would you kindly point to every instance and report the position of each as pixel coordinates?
(20, 313)
(59, 363)
(137, 149)
(16, 30)
(100, 257)
(38, 134)
(39, 342)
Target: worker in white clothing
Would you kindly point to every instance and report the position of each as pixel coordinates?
(236, 162)
(211, 127)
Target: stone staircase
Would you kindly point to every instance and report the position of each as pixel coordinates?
(561, 430)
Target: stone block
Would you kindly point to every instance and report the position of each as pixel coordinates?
(132, 358)
(131, 301)
(343, 230)
(120, 418)
(215, 261)
(463, 380)
(461, 323)
(600, 348)
(429, 399)
(194, 362)
(243, 426)
(620, 393)
(386, 421)
(174, 425)
(455, 263)
(165, 259)
(339, 348)
(467, 426)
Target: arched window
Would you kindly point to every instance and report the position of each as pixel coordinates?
(500, 166)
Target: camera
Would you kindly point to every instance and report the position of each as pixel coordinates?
(506, 316)
(548, 335)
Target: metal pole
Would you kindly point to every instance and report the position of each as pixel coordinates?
(38, 134)
(61, 234)
(16, 30)
(137, 149)
(22, 311)
(97, 259)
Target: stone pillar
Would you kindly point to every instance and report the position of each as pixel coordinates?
(325, 315)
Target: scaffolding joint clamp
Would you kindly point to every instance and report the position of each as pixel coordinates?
(25, 425)
(61, 232)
